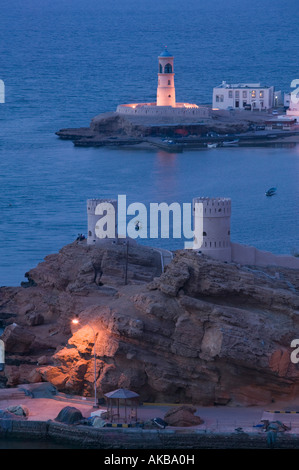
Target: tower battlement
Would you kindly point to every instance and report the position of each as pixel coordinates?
(212, 207)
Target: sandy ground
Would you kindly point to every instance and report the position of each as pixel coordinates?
(216, 419)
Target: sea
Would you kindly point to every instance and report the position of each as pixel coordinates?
(65, 61)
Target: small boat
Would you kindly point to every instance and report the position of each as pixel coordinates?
(212, 146)
(271, 192)
(230, 143)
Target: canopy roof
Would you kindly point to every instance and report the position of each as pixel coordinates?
(121, 393)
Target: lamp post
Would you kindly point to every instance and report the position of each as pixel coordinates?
(76, 321)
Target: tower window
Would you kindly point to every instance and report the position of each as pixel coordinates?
(169, 96)
(168, 68)
(204, 234)
(160, 68)
(168, 82)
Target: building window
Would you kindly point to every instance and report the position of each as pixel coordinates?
(168, 82)
(262, 104)
(221, 98)
(230, 94)
(237, 104)
(244, 94)
(261, 94)
(204, 234)
(168, 68)
(169, 96)
(217, 98)
(253, 94)
(244, 104)
(237, 94)
(160, 68)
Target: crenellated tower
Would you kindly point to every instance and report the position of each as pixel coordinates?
(108, 211)
(211, 218)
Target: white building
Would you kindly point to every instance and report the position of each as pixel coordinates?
(94, 217)
(252, 96)
(212, 216)
(212, 237)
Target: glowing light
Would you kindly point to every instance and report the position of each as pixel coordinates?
(75, 321)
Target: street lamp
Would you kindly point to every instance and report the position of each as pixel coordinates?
(76, 321)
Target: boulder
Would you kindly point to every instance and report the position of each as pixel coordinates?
(19, 410)
(183, 416)
(69, 415)
(8, 415)
(34, 319)
(17, 339)
(98, 422)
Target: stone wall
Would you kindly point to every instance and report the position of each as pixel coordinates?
(150, 109)
(136, 438)
(244, 254)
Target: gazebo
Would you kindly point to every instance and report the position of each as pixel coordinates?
(117, 396)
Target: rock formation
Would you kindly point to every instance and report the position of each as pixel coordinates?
(183, 416)
(203, 332)
(115, 129)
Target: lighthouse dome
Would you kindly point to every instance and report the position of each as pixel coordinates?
(165, 53)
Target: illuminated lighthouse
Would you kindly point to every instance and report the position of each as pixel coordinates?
(166, 89)
(166, 105)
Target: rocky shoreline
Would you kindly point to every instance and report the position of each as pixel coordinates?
(202, 332)
(116, 130)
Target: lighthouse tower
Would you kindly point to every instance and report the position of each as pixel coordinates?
(166, 89)
(211, 218)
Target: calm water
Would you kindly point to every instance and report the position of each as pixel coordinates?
(64, 61)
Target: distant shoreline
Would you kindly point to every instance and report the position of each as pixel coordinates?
(224, 130)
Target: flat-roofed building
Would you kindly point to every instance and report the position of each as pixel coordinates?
(251, 96)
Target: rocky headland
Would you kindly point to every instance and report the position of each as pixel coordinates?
(114, 129)
(202, 332)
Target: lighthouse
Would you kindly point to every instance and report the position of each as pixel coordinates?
(166, 89)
